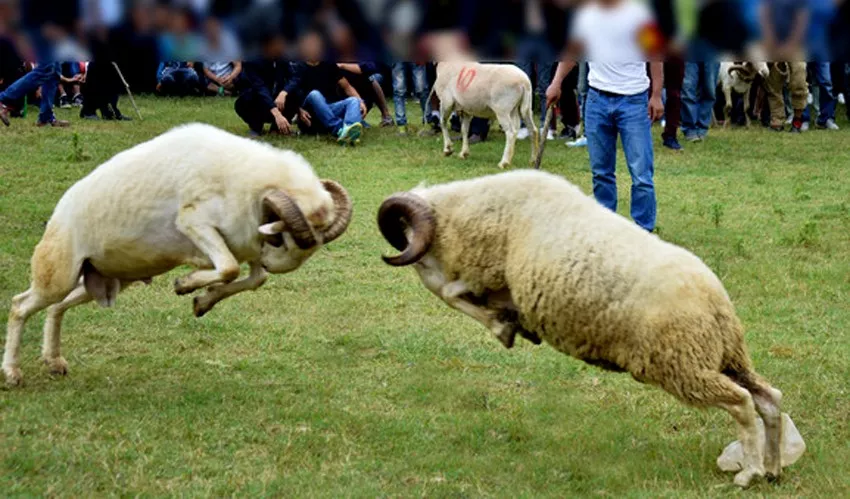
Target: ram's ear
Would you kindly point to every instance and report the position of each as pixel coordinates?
(272, 229)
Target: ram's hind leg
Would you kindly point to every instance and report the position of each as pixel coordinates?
(768, 401)
(713, 389)
(465, 122)
(455, 295)
(509, 120)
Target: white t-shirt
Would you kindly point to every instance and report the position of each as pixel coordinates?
(611, 40)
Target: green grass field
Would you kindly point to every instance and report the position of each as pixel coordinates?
(348, 378)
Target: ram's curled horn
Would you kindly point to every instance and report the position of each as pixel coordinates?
(737, 67)
(400, 211)
(343, 208)
(284, 207)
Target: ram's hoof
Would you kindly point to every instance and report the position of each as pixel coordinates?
(199, 308)
(447, 152)
(745, 478)
(464, 154)
(58, 366)
(181, 288)
(14, 376)
(504, 164)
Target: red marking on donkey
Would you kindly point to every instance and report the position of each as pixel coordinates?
(464, 79)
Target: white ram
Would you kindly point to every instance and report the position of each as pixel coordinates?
(501, 91)
(195, 195)
(739, 77)
(528, 252)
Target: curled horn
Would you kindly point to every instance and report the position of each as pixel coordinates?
(343, 208)
(284, 207)
(400, 211)
(737, 67)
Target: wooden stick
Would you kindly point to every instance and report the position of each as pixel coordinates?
(550, 112)
(127, 86)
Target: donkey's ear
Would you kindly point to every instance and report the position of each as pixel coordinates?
(272, 229)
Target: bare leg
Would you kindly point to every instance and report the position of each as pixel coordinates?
(727, 93)
(210, 242)
(23, 307)
(381, 100)
(747, 107)
(465, 121)
(218, 292)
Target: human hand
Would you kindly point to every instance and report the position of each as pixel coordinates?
(280, 101)
(283, 125)
(656, 108)
(553, 95)
(305, 117)
(363, 109)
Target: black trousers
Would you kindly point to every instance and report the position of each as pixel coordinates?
(101, 90)
(254, 111)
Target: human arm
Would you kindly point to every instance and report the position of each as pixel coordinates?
(656, 104)
(350, 67)
(567, 64)
(350, 91)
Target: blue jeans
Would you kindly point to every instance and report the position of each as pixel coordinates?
(179, 81)
(332, 116)
(699, 91)
(823, 79)
(536, 49)
(420, 89)
(608, 115)
(46, 76)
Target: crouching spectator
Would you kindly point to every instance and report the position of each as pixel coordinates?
(315, 85)
(262, 91)
(177, 79)
(101, 91)
(367, 79)
(69, 93)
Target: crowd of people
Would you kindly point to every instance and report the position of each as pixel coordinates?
(274, 59)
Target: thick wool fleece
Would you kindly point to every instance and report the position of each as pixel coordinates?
(591, 283)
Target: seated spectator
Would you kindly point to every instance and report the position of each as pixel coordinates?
(178, 42)
(74, 97)
(261, 88)
(177, 79)
(220, 77)
(315, 85)
(366, 78)
(47, 76)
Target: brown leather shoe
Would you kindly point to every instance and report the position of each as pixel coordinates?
(54, 123)
(4, 114)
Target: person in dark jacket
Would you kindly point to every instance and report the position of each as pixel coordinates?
(262, 94)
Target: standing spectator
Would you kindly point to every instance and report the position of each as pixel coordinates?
(674, 74)
(822, 14)
(535, 52)
(784, 25)
(619, 100)
(699, 91)
(420, 90)
(314, 86)
(581, 140)
(261, 90)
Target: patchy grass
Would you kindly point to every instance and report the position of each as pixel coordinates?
(347, 378)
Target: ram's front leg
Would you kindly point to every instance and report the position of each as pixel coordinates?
(207, 239)
(453, 293)
(218, 292)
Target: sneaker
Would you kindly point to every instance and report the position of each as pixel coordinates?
(65, 102)
(693, 138)
(475, 139)
(805, 126)
(663, 123)
(522, 134)
(579, 142)
(797, 127)
(365, 125)
(402, 129)
(829, 125)
(841, 99)
(387, 121)
(77, 101)
(550, 135)
(789, 120)
(349, 134)
(4, 114)
(673, 144)
(810, 99)
(53, 123)
(568, 133)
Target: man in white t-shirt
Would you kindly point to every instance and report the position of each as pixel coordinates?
(617, 37)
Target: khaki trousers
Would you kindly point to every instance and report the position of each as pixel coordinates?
(795, 76)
